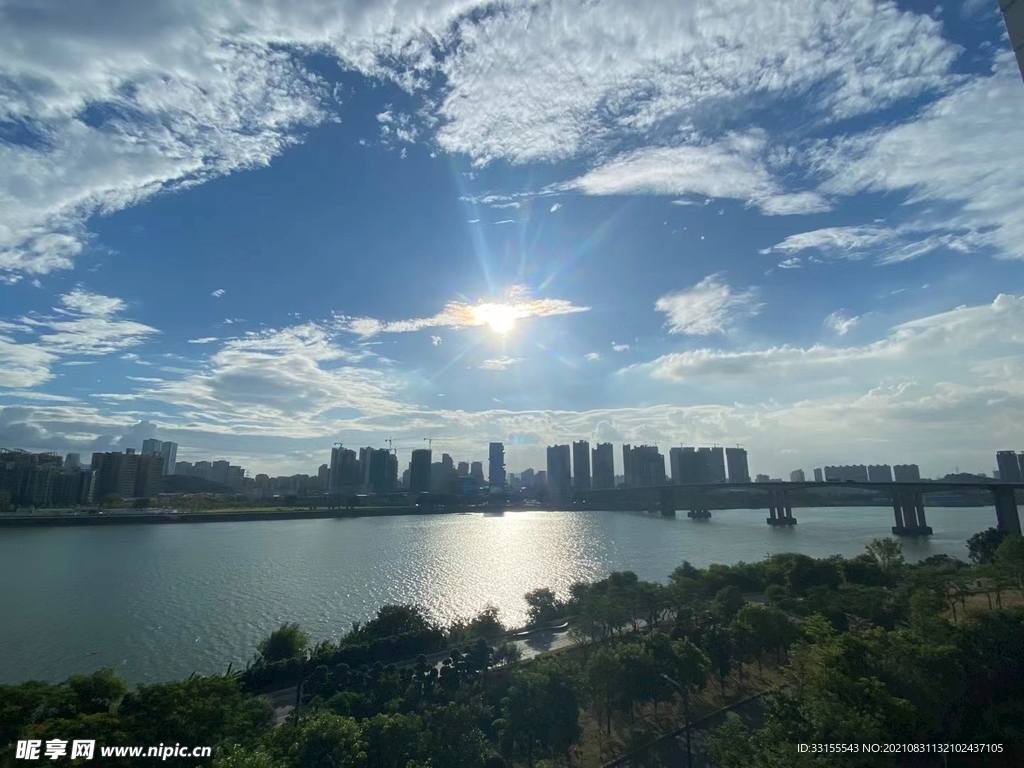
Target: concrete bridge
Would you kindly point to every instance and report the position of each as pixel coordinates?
(779, 497)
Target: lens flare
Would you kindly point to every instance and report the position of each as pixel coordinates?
(500, 317)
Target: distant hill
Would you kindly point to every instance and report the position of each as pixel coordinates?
(189, 484)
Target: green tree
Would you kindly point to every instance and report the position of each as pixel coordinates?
(390, 741)
(727, 603)
(286, 642)
(542, 605)
(97, 692)
(982, 546)
(603, 673)
(507, 653)
(238, 756)
(324, 740)
(1009, 558)
(888, 553)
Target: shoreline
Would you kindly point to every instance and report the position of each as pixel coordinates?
(43, 520)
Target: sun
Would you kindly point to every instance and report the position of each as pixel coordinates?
(501, 317)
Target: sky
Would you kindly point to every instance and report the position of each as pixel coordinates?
(261, 227)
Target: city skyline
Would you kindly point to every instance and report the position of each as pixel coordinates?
(250, 232)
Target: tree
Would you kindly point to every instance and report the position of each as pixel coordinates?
(727, 603)
(486, 624)
(603, 672)
(1009, 558)
(542, 604)
(982, 546)
(507, 653)
(286, 642)
(98, 692)
(325, 740)
(390, 741)
(716, 645)
(888, 553)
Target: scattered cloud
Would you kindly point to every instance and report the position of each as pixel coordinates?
(435, 340)
(620, 347)
(731, 168)
(204, 340)
(500, 364)
(506, 221)
(555, 207)
(218, 293)
(458, 314)
(840, 322)
(592, 357)
(710, 306)
(791, 263)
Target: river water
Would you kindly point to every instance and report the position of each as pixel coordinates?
(157, 602)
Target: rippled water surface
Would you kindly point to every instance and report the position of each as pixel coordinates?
(157, 602)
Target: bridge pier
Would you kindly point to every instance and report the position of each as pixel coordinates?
(1007, 517)
(699, 514)
(779, 512)
(668, 502)
(908, 511)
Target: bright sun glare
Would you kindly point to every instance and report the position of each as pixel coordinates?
(501, 317)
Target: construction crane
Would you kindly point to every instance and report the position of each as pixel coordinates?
(431, 440)
(390, 441)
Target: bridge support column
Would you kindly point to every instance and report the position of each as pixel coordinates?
(911, 503)
(668, 502)
(780, 512)
(1007, 517)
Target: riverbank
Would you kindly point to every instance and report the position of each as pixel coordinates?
(162, 518)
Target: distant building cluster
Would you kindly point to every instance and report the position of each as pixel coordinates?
(861, 473)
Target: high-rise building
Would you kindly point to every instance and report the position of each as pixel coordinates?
(879, 473)
(644, 466)
(739, 470)
(150, 446)
(559, 475)
(603, 457)
(169, 453)
(203, 469)
(1009, 466)
(797, 476)
(496, 465)
(581, 466)
(323, 476)
(344, 475)
(840, 474)
(463, 469)
(419, 471)
(73, 461)
(716, 465)
(1020, 462)
(528, 478)
(688, 465)
(392, 476)
(906, 473)
(541, 480)
(476, 471)
(819, 477)
(377, 463)
(762, 479)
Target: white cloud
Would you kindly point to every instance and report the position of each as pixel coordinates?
(218, 293)
(549, 81)
(620, 347)
(791, 263)
(840, 322)
(506, 221)
(204, 340)
(592, 357)
(555, 207)
(924, 347)
(885, 245)
(731, 168)
(86, 324)
(500, 364)
(435, 340)
(458, 314)
(710, 306)
(961, 183)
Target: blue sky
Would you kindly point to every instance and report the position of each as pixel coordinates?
(257, 228)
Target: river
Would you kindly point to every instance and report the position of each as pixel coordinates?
(157, 602)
